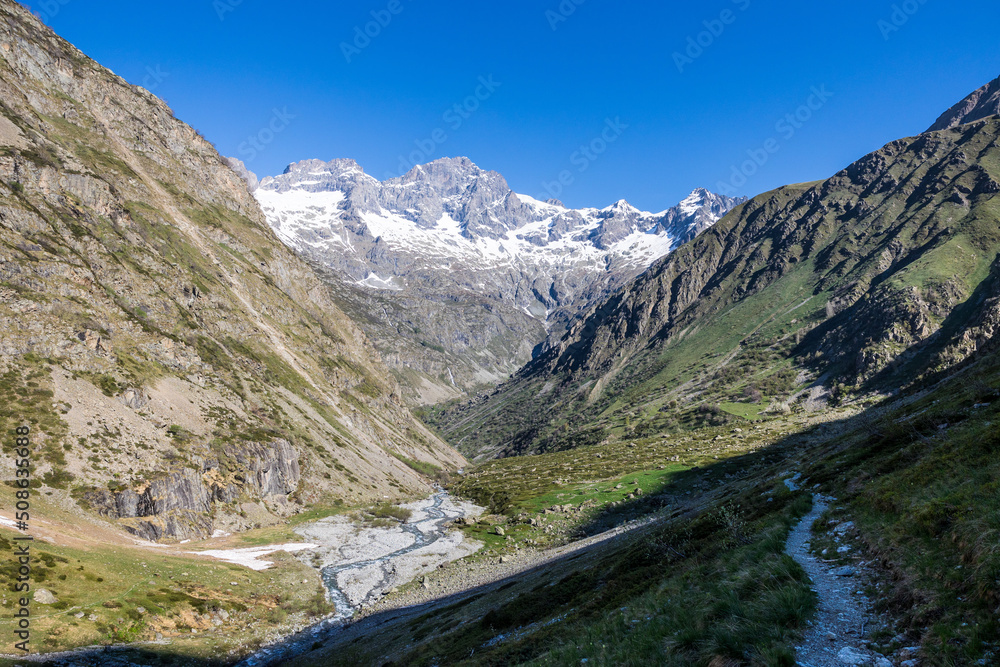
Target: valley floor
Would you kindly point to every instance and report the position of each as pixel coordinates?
(687, 548)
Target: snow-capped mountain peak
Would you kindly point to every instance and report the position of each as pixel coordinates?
(450, 221)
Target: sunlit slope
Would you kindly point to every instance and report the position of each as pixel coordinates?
(860, 282)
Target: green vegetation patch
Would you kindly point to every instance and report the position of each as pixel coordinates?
(749, 411)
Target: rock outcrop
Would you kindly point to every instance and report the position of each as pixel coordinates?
(178, 504)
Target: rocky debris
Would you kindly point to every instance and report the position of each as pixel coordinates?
(93, 340)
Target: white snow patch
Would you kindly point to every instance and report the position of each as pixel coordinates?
(377, 282)
(250, 557)
(692, 203)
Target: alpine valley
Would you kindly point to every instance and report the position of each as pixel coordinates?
(319, 419)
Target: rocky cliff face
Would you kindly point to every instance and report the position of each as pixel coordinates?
(472, 276)
(175, 505)
(181, 367)
(981, 104)
(867, 280)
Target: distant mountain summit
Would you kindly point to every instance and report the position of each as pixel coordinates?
(449, 216)
(455, 235)
(981, 104)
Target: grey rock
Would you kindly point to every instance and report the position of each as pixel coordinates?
(850, 656)
(846, 571)
(844, 527)
(134, 398)
(44, 596)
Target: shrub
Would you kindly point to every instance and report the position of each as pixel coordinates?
(387, 511)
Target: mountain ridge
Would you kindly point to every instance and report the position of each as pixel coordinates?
(160, 334)
(849, 285)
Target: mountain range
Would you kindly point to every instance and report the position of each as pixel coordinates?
(650, 410)
(498, 271)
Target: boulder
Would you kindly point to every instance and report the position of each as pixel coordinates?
(850, 656)
(43, 596)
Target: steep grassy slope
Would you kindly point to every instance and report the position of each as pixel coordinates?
(812, 292)
(182, 370)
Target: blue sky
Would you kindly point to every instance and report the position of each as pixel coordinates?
(590, 100)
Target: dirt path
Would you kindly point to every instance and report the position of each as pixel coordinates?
(837, 636)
